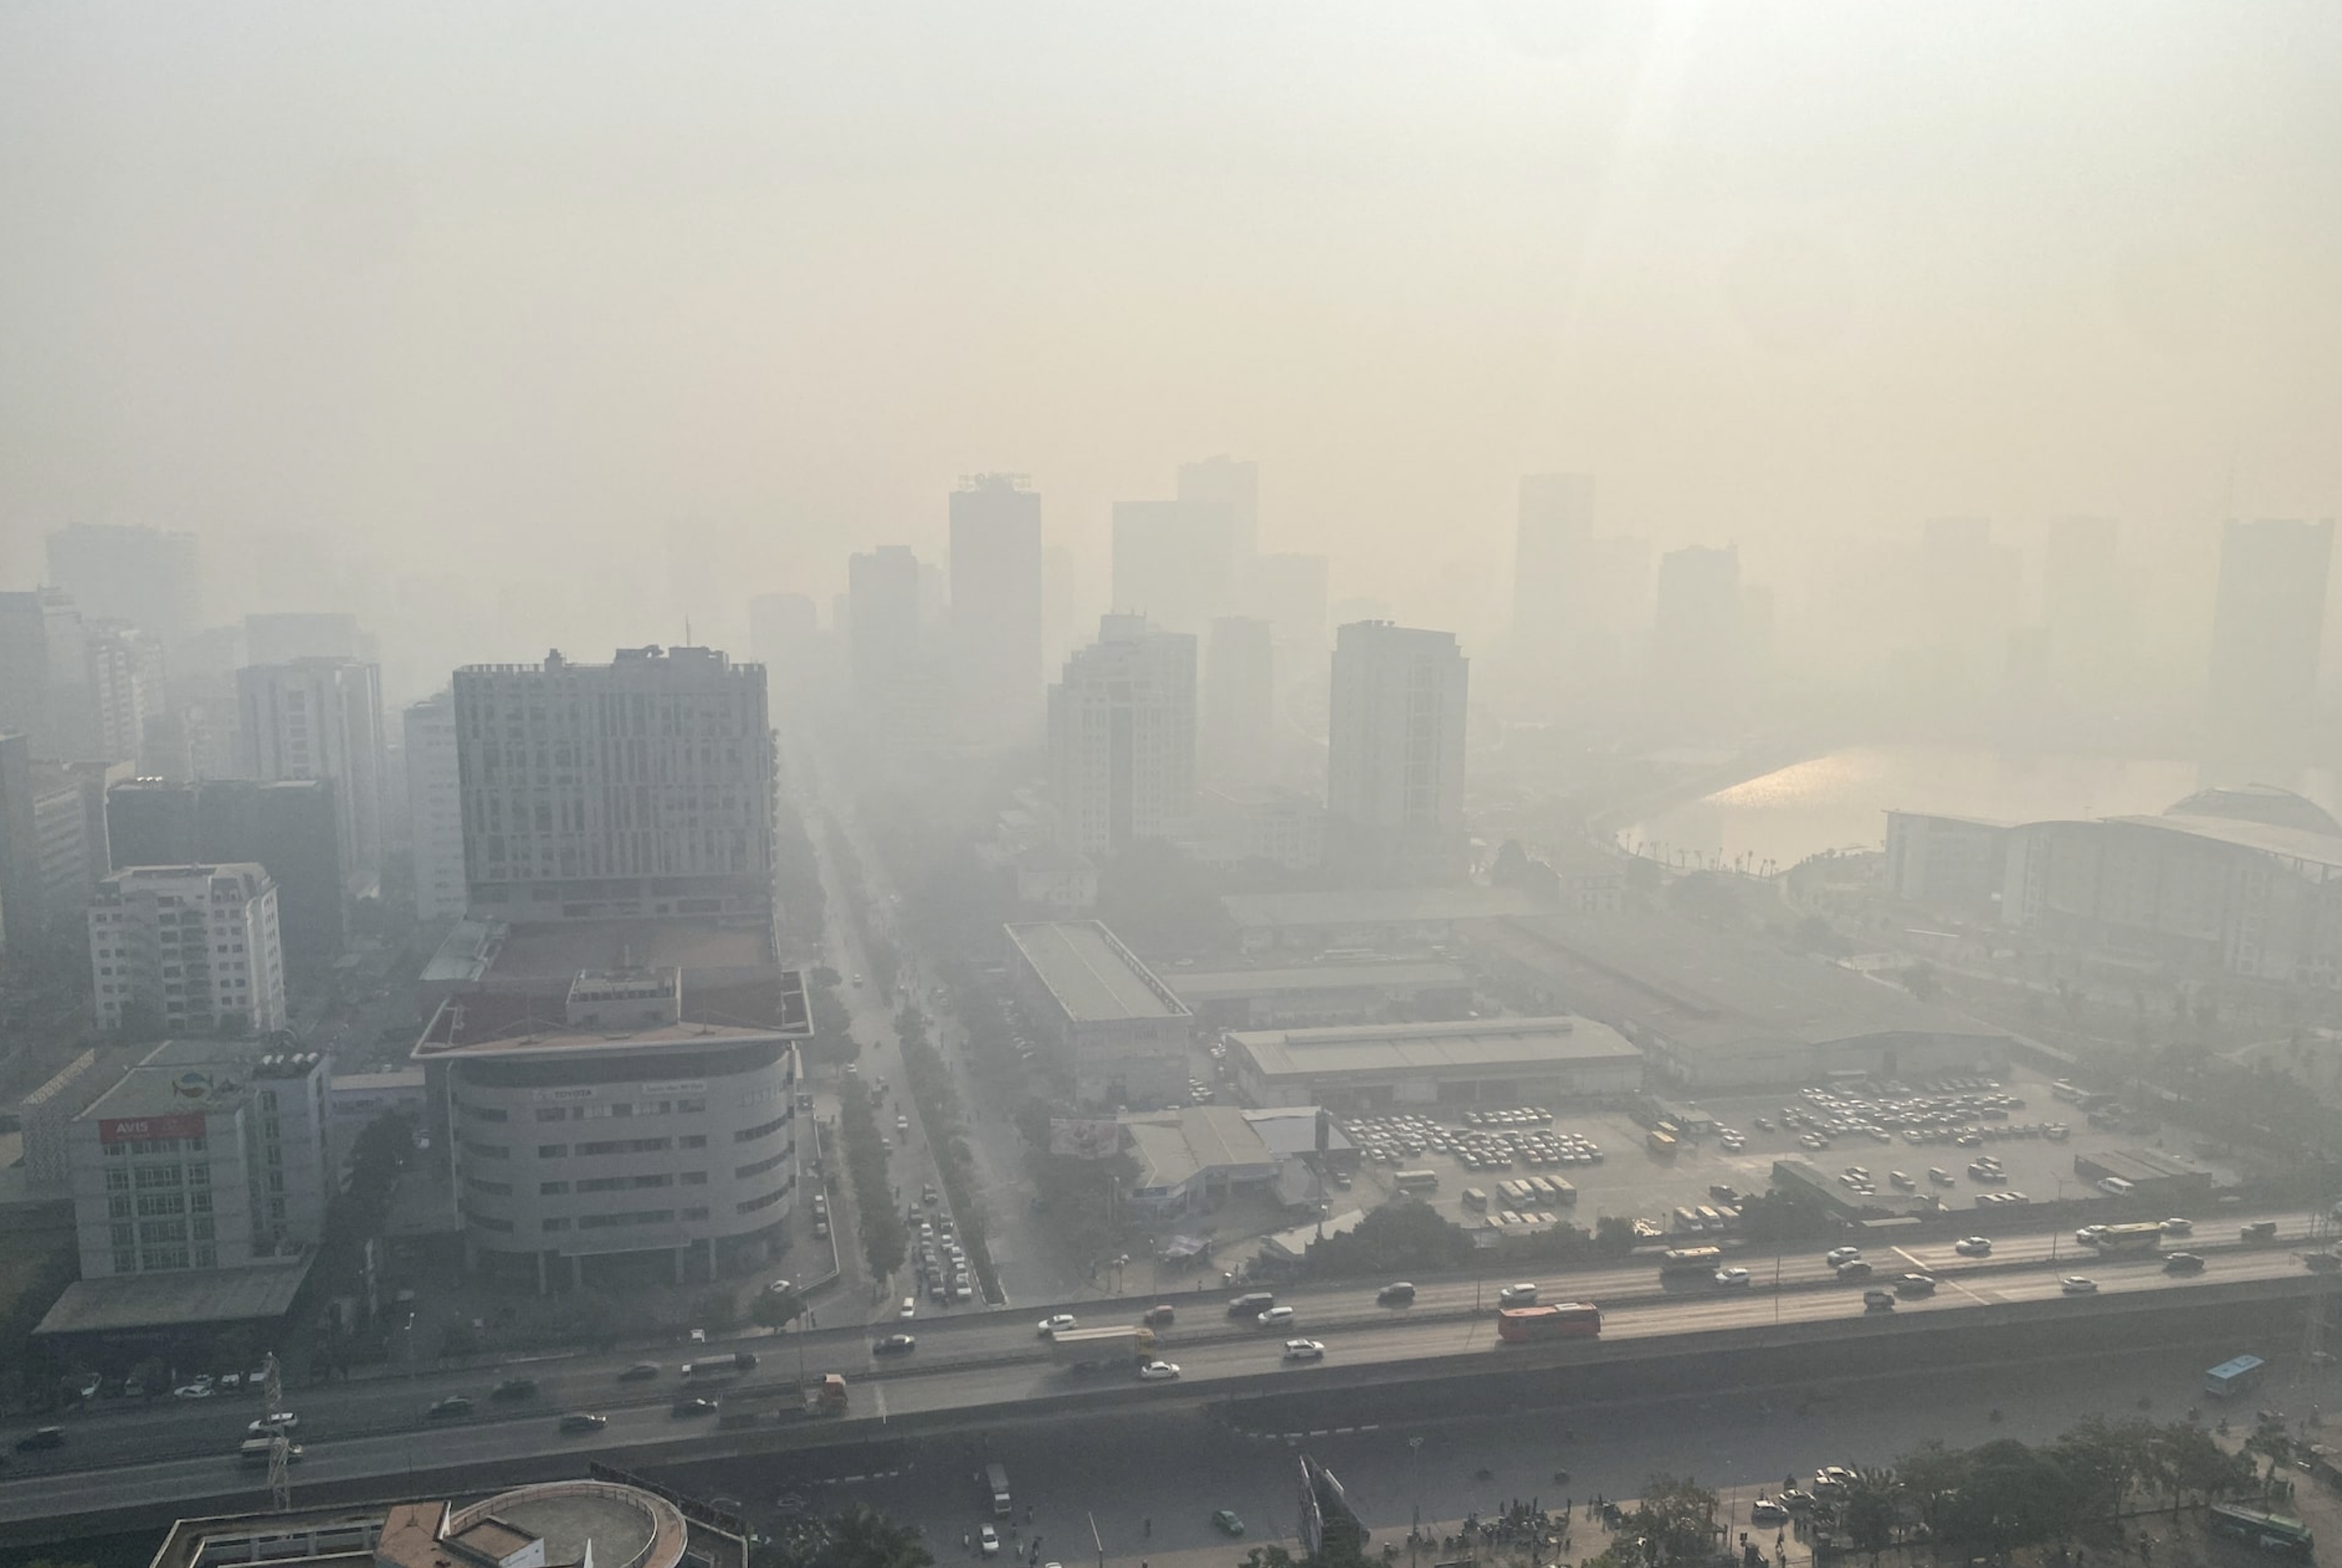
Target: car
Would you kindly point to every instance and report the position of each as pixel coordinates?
(895, 1345)
(780, 1288)
(1274, 1317)
(1853, 1269)
(857, 980)
(1057, 1325)
(1797, 1499)
(1303, 1350)
(2088, 1235)
(41, 1437)
(1522, 1294)
(902, 1124)
(1973, 1246)
(199, 1388)
(987, 1540)
(579, 1421)
(1397, 1294)
(1915, 1285)
(1733, 1279)
(2177, 1227)
(1226, 1522)
(1837, 1257)
(1159, 1315)
(2183, 1264)
(515, 1388)
(2078, 1286)
(1767, 1511)
(1159, 1372)
(453, 1404)
(1879, 1301)
(274, 1422)
(695, 1404)
(640, 1371)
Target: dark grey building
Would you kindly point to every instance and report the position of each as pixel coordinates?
(292, 828)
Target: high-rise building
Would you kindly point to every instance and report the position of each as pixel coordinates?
(885, 629)
(279, 637)
(996, 607)
(1174, 562)
(2267, 623)
(322, 719)
(186, 947)
(125, 692)
(1697, 638)
(2083, 605)
(44, 673)
(148, 577)
(45, 866)
(643, 787)
(434, 806)
(291, 828)
(1122, 738)
(1552, 541)
(1234, 484)
(1240, 701)
(1394, 754)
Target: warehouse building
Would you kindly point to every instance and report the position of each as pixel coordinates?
(1125, 1033)
(1384, 920)
(1300, 995)
(1479, 1061)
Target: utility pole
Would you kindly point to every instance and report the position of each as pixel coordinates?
(1096, 1539)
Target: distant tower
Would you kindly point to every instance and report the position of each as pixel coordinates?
(1239, 698)
(2267, 623)
(1122, 738)
(1394, 754)
(1553, 542)
(996, 607)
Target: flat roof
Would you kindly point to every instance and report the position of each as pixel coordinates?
(1385, 906)
(1094, 977)
(2266, 837)
(159, 1090)
(182, 1299)
(484, 1024)
(478, 950)
(1198, 985)
(1175, 1146)
(1702, 988)
(1423, 1048)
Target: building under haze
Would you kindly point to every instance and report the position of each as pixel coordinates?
(1290, 593)
(148, 577)
(783, 631)
(48, 863)
(43, 674)
(2268, 621)
(322, 719)
(1395, 754)
(184, 948)
(127, 695)
(1697, 642)
(1122, 738)
(1235, 483)
(434, 806)
(995, 608)
(1553, 542)
(1239, 701)
(291, 828)
(1174, 562)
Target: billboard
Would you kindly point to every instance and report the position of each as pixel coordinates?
(141, 1129)
(1094, 1139)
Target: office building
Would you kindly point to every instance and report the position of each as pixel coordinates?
(281, 637)
(996, 607)
(1291, 593)
(1239, 701)
(1395, 754)
(1122, 738)
(148, 577)
(1234, 485)
(1174, 562)
(2268, 621)
(47, 871)
(185, 948)
(44, 673)
(1123, 1030)
(1552, 541)
(639, 788)
(322, 719)
(125, 686)
(208, 1154)
(1696, 639)
(293, 829)
(619, 1114)
(434, 806)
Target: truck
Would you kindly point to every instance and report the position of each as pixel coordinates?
(2240, 1375)
(732, 1365)
(826, 1397)
(1089, 1346)
(996, 1481)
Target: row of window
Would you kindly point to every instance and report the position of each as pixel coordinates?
(764, 1129)
(147, 1147)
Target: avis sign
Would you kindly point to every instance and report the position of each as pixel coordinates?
(146, 1129)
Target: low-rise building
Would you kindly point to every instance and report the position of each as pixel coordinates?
(1479, 1062)
(1297, 995)
(1125, 1031)
(186, 947)
(1370, 920)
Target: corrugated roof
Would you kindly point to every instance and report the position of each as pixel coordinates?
(1383, 906)
(1195, 985)
(1411, 1048)
(1094, 977)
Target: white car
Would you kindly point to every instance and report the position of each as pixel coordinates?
(1051, 1327)
(1159, 1371)
(2179, 1227)
(1275, 1316)
(2077, 1285)
(1973, 1246)
(1732, 1279)
(987, 1539)
(1303, 1350)
(1524, 1294)
(1837, 1257)
(270, 1424)
(199, 1388)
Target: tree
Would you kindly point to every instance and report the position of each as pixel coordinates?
(2193, 1461)
(863, 1537)
(1614, 1234)
(1676, 1521)
(2013, 1496)
(777, 1309)
(2105, 1459)
(1871, 1511)
(1402, 1237)
(1919, 980)
(1931, 1477)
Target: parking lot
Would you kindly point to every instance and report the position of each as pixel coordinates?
(2009, 1120)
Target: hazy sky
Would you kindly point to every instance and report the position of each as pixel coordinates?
(472, 282)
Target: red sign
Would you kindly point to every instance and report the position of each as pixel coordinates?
(141, 1129)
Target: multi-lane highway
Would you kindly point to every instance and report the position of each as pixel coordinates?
(116, 1455)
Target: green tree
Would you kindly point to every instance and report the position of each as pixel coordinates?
(777, 1309)
(1872, 1504)
(1614, 1234)
(1674, 1521)
(2106, 1458)
(862, 1537)
(2013, 1496)
(1932, 1476)
(885, 1241)
(2194, 1462)
(1401, 1237)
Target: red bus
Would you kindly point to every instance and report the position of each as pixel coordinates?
(1563, 1320)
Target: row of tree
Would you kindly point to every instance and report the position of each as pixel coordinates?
(944, 1117)
(886, 1241)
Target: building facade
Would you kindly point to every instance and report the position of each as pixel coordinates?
(1395, 762)
(1122, 738)
(1240, 701)
(1123, 1030)
(186, 947)
(434, 806)
(996, 607)
(293, 829)
(45, 674)
(147, 576)
(322, 719)
(639, 788)
(1478, 1061)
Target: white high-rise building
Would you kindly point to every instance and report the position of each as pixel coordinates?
(1395, 763)
(1239, 698)
(1122, 738)
(996, 607)
(189, 946)
(434, 806)
(322, 719)
(638, 788)
(125, 687)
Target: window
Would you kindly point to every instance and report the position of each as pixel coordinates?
(207, 1258)
(117, 1208)
(125, 1235)
(488, 1222)
(553, 1113)
(557, 1224)
(125, 1261)
(766, 1201)
(153, 1231)
(487, 1150)
(500, 1189)
(761, 1166)
(692, 1140)
(117, 1180)
(627, 1146)
(750, 1135)
(695, 1178)
(552, 1151)
(552, 1189)
(203, 1230)
(487, 1112)
(153, 1205)
(699, 1214)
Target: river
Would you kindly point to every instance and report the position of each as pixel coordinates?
(1840, 801)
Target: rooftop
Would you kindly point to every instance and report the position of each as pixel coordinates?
(1389, 906)
(2304, 844)
(1196, 986)
(1094, 977)
(483, 1024)
(1432, 1048)
(1174, 1146)
(184, 1299)
(479, 951)
(146, 1091)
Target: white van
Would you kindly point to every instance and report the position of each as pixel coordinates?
(910, 1307)
(254, 1450)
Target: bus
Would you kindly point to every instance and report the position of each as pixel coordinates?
(1661, 1143)
(2274, 1532)
(1688, 1222)
(1415, 1181)
(1691, 1260)
(1562, 1320)
(2118, 1240)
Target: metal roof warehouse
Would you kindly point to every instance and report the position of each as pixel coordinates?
(1493, 1061)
